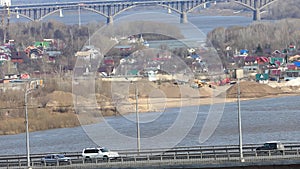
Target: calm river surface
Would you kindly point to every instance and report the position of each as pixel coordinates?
(262, 120)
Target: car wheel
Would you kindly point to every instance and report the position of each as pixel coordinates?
(105, 158)
(87, 159)
(258, 152)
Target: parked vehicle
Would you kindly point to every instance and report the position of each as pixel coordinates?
(271, 147)
(99, 153)
(56, 159)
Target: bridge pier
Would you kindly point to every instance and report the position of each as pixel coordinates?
(110, 20)
(256, 12)
(183, 17)
(256, 15)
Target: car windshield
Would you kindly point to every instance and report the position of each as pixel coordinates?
(91, 151)
(104, 149)
(270, 145)
(60, 156)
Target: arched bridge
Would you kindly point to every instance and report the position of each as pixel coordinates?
(108, 9)
(112, 8)
(256, 6)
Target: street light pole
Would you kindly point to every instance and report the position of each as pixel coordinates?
(27, 134)
(240, 122)
(137, 119)
(239, 74)
(27, 91)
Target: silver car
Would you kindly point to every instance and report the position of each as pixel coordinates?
(56, 159)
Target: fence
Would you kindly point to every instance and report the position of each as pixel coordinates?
(196, 154)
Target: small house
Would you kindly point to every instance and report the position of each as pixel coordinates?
(18, 57)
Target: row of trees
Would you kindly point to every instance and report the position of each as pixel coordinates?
(283, 9)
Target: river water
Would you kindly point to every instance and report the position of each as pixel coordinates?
(262, 119)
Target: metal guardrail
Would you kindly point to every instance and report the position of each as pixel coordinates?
(202, 153)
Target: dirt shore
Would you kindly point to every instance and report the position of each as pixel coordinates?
(58, 109)
(157, 97)
(160, 104)
(202, 96)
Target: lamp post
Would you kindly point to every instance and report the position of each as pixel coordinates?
(28, 91)
(138, 135)
(239, 75)
(27, 129)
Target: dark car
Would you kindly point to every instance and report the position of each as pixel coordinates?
(271, 147)
(56, 159)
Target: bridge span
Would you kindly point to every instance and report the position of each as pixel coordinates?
(112, 8)
(107, 9)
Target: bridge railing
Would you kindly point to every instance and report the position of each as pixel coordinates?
(199, 153)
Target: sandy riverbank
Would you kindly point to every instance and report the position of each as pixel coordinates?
(159, 104)
(205, 96)
(157, 97)
(61, 111)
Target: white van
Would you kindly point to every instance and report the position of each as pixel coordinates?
(99, 153)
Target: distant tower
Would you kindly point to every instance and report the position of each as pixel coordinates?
(5, 17)
(7, 2)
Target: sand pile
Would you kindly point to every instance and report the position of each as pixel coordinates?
(294, 82)
(252, 90)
